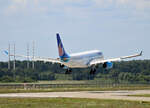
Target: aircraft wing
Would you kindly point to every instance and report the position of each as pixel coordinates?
(94, 62)
(37, 58)
(47, 60)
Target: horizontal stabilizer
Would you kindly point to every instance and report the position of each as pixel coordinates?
(6, 52)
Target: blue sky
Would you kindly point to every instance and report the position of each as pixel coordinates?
(116, 27)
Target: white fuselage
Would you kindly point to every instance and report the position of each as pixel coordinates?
(82, 60)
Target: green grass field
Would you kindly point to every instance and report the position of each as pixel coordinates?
(68, 103)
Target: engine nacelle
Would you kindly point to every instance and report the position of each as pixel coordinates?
(63, 66)
(108, 65)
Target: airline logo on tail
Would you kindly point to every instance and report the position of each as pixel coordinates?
(62, 54)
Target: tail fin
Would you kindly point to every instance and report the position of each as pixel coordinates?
(61, 50)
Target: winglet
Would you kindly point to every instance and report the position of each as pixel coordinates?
(6, 52)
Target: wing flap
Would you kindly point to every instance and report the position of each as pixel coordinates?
(94, 62)
(47, 60)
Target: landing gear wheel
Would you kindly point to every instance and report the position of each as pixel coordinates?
(92, 72)
(62, 66)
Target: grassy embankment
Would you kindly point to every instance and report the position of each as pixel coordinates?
(69, 103)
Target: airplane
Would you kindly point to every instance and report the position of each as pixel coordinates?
(88, 59)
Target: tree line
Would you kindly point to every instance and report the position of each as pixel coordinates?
(124, 71)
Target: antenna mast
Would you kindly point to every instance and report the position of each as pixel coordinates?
(27, 55)
(14, 57)
(33, 55)
(8, 56)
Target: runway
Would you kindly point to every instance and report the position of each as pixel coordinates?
(118, 95)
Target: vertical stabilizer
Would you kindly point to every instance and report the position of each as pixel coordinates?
(62, 54)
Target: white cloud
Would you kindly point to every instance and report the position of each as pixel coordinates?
(138, 4)
(15, 6)
(68, 7)
(20, 1)
(122, 1)
(143, 4)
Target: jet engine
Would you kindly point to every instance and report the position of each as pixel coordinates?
(108, 65)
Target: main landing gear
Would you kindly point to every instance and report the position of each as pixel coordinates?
(68, 71)
(92, 72)
(93, 69)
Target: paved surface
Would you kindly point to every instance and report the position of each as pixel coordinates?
(87, 94)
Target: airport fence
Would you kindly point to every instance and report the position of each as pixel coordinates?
(67, 85)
